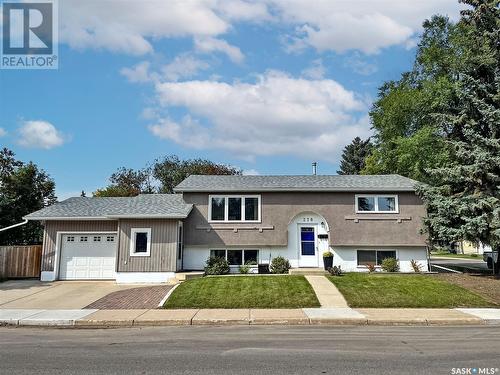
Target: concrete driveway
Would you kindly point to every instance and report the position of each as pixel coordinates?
(33, 294)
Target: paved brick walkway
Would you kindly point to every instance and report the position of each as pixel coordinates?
(137, 298)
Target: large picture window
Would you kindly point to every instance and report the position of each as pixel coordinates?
(237, 257)
(376, 203)
(374, 257)
(234, 208)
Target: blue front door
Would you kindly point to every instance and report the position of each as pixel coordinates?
(307, 246)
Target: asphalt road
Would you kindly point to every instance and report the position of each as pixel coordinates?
(249, 350)
(471, 264)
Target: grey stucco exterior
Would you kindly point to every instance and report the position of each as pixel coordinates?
(278, 209)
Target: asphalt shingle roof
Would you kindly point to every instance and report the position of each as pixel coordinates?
(357, 183)
(144, 205)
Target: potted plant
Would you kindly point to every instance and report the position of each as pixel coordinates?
(327, 259)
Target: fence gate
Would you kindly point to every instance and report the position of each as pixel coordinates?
(20, 261)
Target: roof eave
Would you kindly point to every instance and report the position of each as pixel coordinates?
(305, 190)
(61, 218)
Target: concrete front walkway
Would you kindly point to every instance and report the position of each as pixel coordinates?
(327, 293)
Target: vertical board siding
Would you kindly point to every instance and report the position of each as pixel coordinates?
(163, 256)
(52, 227)
(20, 261)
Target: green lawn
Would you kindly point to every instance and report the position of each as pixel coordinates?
(231, 292)
(364, 290)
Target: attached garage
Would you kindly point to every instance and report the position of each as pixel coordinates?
(89, 256)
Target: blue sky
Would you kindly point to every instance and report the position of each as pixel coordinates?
(269, 86)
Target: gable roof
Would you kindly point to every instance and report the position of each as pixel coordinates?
(162, 206)
(354, 183)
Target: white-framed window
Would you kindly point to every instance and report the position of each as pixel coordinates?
(110, 238)
(234, 208)
(84, 239)
(374, 257)
(237, 257)
(376, 203)
(97, 238)
(140, 242)
(70, 239)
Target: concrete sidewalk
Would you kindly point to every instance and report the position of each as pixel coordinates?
(326, 316)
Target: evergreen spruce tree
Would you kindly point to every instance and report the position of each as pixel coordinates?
(464, 202)
(354, 156)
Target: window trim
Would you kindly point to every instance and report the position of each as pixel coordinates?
(376, 196)
(376, 256)
(242, 255)
(226, 208)
(133, 232)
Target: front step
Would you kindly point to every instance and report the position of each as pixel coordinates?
(307, 271)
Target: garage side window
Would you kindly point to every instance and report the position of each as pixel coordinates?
(140, 242)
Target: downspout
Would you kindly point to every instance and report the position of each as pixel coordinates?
(15, 225)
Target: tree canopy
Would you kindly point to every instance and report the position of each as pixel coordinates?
(464, 201)
(440, 124)
(354, 156)
(24, 188)
(160, 177)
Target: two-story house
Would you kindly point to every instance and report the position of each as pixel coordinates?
(360, 219)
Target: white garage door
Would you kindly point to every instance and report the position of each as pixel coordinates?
(87, 256)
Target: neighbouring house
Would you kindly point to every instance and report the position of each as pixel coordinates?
(361, 219)
(467, 247)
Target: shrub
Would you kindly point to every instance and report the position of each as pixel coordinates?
(216, 266)
(247, 267)
(390, 265)
(335, 271)
(371, 267)
(280, 265)
(474, 255)
(417, 267)
(327, 254)
(244, 269)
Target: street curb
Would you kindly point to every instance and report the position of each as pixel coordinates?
(250, 317)
(260, 322)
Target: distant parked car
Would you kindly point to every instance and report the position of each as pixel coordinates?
(488, 258)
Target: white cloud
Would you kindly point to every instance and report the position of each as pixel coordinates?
(130, 26)
(39, 134)
(3, 132)
(315, 71)
(367, 26)
(139, 73)
(277, 114)
(360, 65)
(183, 66)
(209, 45)
(340, 25)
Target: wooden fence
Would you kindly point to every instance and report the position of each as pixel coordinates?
(20, 261)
